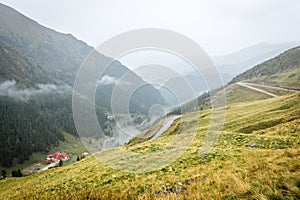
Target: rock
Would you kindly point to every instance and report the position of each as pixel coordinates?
(190, 182)
(177, 190)
(253, 145)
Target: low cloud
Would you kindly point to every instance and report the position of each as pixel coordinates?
(9, 88)
(108, 80)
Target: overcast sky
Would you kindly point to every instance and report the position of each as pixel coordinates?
(219, 26)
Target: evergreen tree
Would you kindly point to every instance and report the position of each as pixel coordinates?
(36, 125)
(16, 173)
(60, 163)
(19, 173)
(13, 173)
(4, 173)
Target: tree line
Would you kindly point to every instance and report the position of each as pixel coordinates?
(36, 125)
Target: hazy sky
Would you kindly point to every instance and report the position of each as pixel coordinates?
(219, 26)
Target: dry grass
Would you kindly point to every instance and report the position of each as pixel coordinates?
(233, 170)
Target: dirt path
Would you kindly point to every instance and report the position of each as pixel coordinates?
(256, 89)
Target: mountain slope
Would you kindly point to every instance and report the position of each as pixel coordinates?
(233, 170)
(230, 66)
(38, 67)
(60, 55)
(49, 56)
(15, 66)
(240, 61)
(283, 70)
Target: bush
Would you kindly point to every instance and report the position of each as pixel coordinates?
(16, 173)
(3, 173)
(60, 163)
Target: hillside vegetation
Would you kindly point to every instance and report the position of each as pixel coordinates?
(234, 93)
(256, 157)
(283, 70)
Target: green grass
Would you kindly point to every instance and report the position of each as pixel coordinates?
(72, 146)
(236, 93)
(232, 170)
(282, 70)
(288, 79)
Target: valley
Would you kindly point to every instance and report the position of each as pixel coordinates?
(76, 123)
(38, 69)
(260, 144)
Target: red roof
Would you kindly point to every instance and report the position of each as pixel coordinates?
(56, 156)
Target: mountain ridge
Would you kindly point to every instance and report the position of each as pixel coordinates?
(238, 62)
(34, 62)
(282, 70)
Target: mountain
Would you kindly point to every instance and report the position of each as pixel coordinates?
(17, 67)
(186, 87)
(189, 86)
(52, 54)
(230, 66)
(242, 60)
(283, 70)
(33, 54)
(38, 67)
(255, 154)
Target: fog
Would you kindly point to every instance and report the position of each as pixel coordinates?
(220, 27)
(107, 80)
(10, 88)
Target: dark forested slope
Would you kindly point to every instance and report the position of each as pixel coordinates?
(38, 67)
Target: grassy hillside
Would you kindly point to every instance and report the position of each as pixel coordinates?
(234, 93)
(283, 70)
(233, 170)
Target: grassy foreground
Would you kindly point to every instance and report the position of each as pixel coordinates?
(270, 169)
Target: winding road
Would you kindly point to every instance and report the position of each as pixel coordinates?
(165, 126)
(257, 89)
